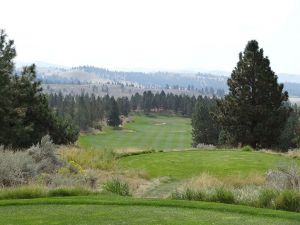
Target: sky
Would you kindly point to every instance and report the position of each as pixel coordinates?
(175, 35)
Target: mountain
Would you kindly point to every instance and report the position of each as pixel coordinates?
(55, 74)
(159, 79)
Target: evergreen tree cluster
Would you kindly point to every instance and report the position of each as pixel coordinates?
(87, 111)
(255, 112)
(205, 129)
(179, 104)
(25, 116)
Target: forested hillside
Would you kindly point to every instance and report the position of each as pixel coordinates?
(201, 83)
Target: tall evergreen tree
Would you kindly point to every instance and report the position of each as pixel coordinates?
(254, 110)
(205, 129)
(25, 116)
(7, 54)
(148, 101)
(290, 135)
(114, 114)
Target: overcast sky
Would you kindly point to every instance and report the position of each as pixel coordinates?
(154, 34)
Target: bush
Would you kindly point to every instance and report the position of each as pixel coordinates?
(189, 194)
(286, 176)
(118, 187)
(247, 148)
(288, 200)
(16, 168)
(44, 156)
(223, 195)
(266, 198)
(90, 179)
(63, 131)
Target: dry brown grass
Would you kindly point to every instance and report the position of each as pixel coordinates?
(127, 150)
(206, 181)
(253, 179)
(135, 180)
(87, 158)
(294, 153)
(103, 165)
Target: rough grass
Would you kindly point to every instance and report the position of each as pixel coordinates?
(146, 132)
(88, 158)
(28, 192)
(116, 210)
(222, 164)
(294, 153)
(117, 186)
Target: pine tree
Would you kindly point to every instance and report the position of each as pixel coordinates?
(114, 114)
(25, 116)
(254, 111)
(290, 136)
(7, 54)
(147, 101)
(205, 129)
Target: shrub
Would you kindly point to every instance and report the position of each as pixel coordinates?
(90, 179)
(247, 148)
(117, 186)
(266, 198)
(16, 168)
(66, 179)
(44, 156)
(189, 194)
(286, 176)
(288, 200)
(223, 195)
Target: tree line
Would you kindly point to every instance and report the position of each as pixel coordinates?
(88, 111)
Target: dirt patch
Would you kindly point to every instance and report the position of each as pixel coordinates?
(127, 150)
(128, 131)
(159, 124)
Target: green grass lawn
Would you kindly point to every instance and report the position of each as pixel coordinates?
(92, 210)
(146, 132)
(184, 164)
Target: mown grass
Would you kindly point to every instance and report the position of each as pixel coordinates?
(122, 210)
(185, 164)
(146, 132)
